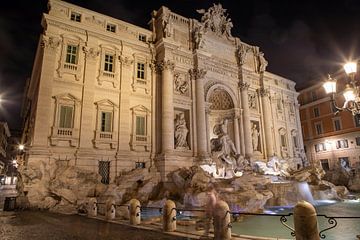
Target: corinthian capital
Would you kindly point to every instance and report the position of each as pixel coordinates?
(50, 42)
(264, 92)
(166, 65)
(244, 86)
(196, 73)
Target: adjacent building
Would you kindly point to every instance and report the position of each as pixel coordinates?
(109, 96)
(4, 137)
(330, 138)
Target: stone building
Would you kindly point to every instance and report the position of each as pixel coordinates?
(109, 96)
(330, 139)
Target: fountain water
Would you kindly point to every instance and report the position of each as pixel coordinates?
(305, 192)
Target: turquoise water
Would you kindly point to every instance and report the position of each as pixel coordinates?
(270, 226)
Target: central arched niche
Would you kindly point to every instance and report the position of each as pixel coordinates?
(221, 106)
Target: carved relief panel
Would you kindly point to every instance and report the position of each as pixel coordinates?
(182, 84)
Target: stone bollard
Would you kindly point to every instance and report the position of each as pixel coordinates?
(134, 212)
(222, 224)
(92, 207)
(169, 216)
(305, 222)
(110, 209)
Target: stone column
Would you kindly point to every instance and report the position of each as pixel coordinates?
(241, 131)
(237, 133)
(246, 119)
(198, 75)
(265, 101)
(167, 116)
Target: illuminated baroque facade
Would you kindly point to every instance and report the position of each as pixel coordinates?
(329, 139)
(109, 96)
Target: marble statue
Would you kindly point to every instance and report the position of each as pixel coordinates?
(255, 136)
(262, 63)
(223, 151)
(167, 26)
(181, 132)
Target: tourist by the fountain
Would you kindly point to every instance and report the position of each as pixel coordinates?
(181, 131)
(212, 196)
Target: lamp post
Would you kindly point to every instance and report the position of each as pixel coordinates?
(350, 93)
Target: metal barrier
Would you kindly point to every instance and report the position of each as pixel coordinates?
(172, 217)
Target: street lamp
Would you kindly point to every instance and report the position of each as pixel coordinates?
(351, 92)
(21, 147)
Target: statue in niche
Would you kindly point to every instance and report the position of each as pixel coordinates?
(255, 136)
(252, 101)
(181, 132)
(224, 153)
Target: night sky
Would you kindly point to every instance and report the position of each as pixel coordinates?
(302, 40)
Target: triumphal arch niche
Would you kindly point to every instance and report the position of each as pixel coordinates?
(217, 99)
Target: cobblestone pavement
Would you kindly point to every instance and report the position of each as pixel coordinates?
(33, 225)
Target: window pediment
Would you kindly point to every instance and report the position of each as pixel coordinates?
(106, 102)
(66, 97)
(140, 108)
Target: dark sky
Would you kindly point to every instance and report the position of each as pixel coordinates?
(302, 40)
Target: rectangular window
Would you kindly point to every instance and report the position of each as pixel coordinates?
(279, 104)
(142, 37)
(283, 140)
(314, 96)
(75, 17)
(325, 164)
(110, 27)
(139, 164)
(357, 141)
(140, 126)
(318, 128)
(109, 63)
(295, 141)
(71, 54)
(316, 112)
(342, 144)
(140, 71)
(344, 162)
(104, 171)
(320, 147)
(106, 118)
(66, 117)
(357, 120)
(337, 125)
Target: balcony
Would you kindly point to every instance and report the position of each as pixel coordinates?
(140, 141)
(64, 134)
(105, 138)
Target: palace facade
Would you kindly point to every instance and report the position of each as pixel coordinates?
(109, 96)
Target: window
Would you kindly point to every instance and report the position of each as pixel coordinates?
(316, 112)
(337, 124)
(279, 104)
(71, 54)
(140, 126)
(140, 138)
(325, 164)
(139, 164)
(109, 63)
(111, 27)
(318, 128)
(104, 171)
(106, 119)
(342, 144)
(75, 17)
(140, 71)
(142, 37)
(314, 96)
(320, 147)
(357, 120)
(283, 140)
(295, 141)
(66, 117)
(357, 141)
(344, 163)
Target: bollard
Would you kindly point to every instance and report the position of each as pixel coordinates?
(169, 216)
(222, 225)
(110, 209)
(92, 207)
(305, 221)
(134, 212)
